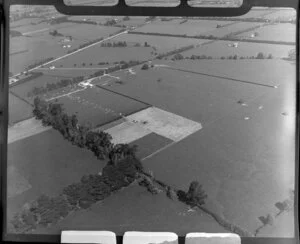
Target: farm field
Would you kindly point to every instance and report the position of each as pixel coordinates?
(97, 106)
(18, 109)
(161, 43)
(155, 213)
(44, 160)
(190, 28)
(228, 124)
(91, 57)
(87, 32)
(277, 32)
(287, 14)
(23, 89)
(177, 91)
(220, 49)
(236, 27)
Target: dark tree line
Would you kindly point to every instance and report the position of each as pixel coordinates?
(99, 142)
(53, 86)
(114, 44)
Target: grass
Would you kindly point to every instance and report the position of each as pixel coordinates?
(190, 28)
(48, 158)
(221, 48)
(18, 109)
(97, 54)
(90, 105)
(276, 32)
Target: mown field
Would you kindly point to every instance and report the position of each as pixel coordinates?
(97, 106)
(220, 49)
(45, 160)
(276, 32)
(18, 109)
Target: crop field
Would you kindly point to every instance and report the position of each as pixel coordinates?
(220, 49)
(44, 169)
(18, 109)
(97, 106)
(190, 28)
(161, 43)
(91, 57)
(276, 32)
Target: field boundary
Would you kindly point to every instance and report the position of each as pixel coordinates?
(121, 94)
(23, 99)
(222, 77)
(208, 37)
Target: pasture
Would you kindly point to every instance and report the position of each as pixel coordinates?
(43, 161)
(283, 14)
(97, 106)
(91, 57)
(189, 28)
(218, 49)
(275, 32)
(18, 110)
(161, 43)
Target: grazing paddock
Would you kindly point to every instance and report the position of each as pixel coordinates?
(39, 48)
(97, 106)
(275, 32)
(48, 163)
(237, 26)
(86, 32)
(161, 43)
(18, 110)
(69, 72)
(16, 183)
(220, 49)
(189, 28)
(91, 57)
(24, 22)
(23, 89)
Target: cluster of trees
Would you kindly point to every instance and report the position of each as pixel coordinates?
(99, 142)
(90, 22)
(126, 18)
(110, 22)
(203, 56)
(194, 197)
(54, 86)
(173, 52)
(38, 63)
(114, 44)
(183, 21)
(145, 67)
(14, 33)
(150, 18)
(92, 188)
(58, 20)
(55, 33)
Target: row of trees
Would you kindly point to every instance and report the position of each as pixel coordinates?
(38, 63)
(173, 52)
(99, 142)
(53, 86)
(114, 44)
